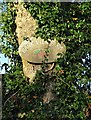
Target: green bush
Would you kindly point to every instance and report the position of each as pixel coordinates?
(67, 22)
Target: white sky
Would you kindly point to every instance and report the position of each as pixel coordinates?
(3, 59)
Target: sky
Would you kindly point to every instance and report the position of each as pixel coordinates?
(1, 0)
(3, 60)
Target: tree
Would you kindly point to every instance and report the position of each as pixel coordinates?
(67, 22)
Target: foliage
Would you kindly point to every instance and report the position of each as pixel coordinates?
(67, 22)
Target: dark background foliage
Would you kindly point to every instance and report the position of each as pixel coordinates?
(67, 22)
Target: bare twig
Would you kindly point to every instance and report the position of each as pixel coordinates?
(52, 66)
(10, 98)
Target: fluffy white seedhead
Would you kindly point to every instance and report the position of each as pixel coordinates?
(54, 48)
(37, 49)
(33, 51)
(30, 70)
(26, 25)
